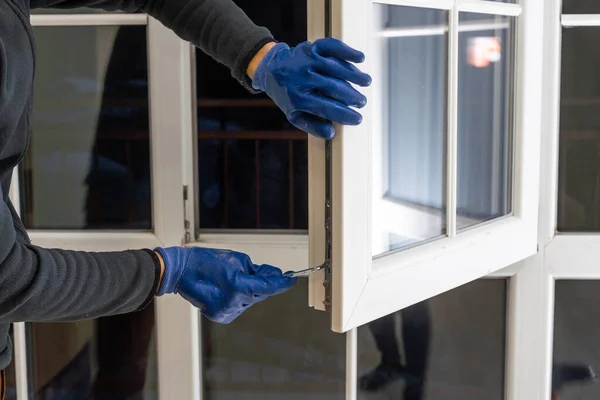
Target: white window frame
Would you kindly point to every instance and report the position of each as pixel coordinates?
(364, 290)
(531, 281)
(572, 256)
(169, 82)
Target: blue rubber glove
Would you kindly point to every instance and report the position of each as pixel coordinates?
(221, 283)
(310, 83)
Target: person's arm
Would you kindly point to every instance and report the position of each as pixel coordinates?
(38, 284)
(218, 27)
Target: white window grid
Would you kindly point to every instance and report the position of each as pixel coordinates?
(366, 289)
(531, 288)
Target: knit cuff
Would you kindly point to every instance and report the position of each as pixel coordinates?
(260, 75)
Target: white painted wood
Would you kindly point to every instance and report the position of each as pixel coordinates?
(352, 364)
(288, 252)
(20, 360)
(530, 329)
(170, 71)
(439, 4)
(364, 290)
(94, 240)
(386, 214)
(19, 333)
(574, 256)
(88, 19)
(470, 26)
(550, 127)
(489, 7)
(351, 186)
(476, 6)
(405, 278)
(531, 303)
(452, 129)
(573, 20)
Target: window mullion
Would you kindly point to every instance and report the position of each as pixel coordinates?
(452, 129)
(170, 120)
(19, 334)
(20, 360)
(352, 364)
(530, 331)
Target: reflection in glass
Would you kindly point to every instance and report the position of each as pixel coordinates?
(449, 347)
(579, 150)
(581, 7)
(252, 163)
(88, 167)
(108, 358)
(409, 146)
(277, 350)
(484, 119)
(88, 163)
(576, 347)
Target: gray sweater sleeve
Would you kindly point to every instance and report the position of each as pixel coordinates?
(218, 27)
(39, 284)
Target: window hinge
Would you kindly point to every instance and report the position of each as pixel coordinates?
(186, 221)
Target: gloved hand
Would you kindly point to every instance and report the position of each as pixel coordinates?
(221, 283)
(310, 84)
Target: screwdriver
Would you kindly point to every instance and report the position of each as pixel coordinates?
(304, 272)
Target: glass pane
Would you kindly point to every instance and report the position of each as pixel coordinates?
(579, 156)
(449, 347)
(576, 349)
(109, 358)
(252, 163)
(409, 143)
(581, 7)
(277, 350)
(88, 163)
(484, 120)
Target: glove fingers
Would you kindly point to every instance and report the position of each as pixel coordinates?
(312, 124)
(266, 270)
(340, 90)
(343, 70)
(332, 110)
(331, 47)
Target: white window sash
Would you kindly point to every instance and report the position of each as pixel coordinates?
(360, 291)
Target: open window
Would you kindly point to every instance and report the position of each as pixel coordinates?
(439, 185)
